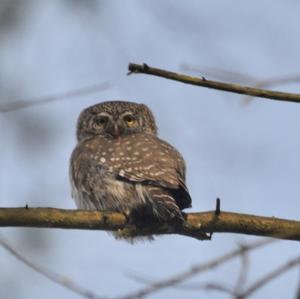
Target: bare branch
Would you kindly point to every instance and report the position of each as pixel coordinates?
(242, 277)
(208, 286)
(153, 287)
(196, 224)
(219, 74)
(278, 81)
(270, 276)
(251, 91)
(298, 289)
(61, 280)
(197, 269)
(20, 104)
(240, 77)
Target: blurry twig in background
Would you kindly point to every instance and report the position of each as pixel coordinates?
(278, 81)
(208, 286)
(238, 77)
(169, 282)
(61, 280)
(298, 288)
(269, 277)
(219, 74)
(212, 286)
(242, 277)
(195, 270)
(20, 104)
(239, 293)
(251, 91)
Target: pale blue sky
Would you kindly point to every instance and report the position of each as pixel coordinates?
(248, 155)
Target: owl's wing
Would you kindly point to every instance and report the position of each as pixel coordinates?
(136, 158)
(146, 159)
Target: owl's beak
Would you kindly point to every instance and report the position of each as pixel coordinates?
(116, 131)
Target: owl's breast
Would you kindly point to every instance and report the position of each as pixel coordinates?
(106, 173)
(95, 186)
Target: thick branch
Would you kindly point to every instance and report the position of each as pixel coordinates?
(195, 226)
(251, 91)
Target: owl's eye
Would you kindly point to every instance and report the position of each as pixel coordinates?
(129, 119)
(101, 120)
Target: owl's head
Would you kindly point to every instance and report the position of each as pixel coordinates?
(114, 119)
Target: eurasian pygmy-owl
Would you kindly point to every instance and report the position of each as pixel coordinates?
(119, 164)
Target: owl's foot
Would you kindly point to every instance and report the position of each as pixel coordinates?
(128, 215)
(133, 235)
(144, 216)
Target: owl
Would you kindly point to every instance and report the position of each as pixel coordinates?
(119, 164)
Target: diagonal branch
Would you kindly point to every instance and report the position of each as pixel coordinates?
(196, 269)
(251, 91)
(270, 277)
(153, 286)
(196, 224)
(20, 104)
(56, 278)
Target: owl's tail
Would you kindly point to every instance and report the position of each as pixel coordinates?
(162, 205)
(159, 206)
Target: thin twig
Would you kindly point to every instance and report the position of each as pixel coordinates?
(257, 92)
(242, 277)
(269, 277)
(298, 287)
(20, 104)
(61, 280)
(278, 81)
(219, 74)
(197, 269)
(241, 78)
(210, 286)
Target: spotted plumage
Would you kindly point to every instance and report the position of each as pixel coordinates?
(119, 164)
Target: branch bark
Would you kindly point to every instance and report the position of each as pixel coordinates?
(251, 91)
(196, 224)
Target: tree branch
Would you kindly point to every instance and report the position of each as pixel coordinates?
(251, 91)
(196, 224)
(55, 277)
(269, 277)
(196, 269)
(20, 104)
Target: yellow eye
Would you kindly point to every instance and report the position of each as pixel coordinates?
(130, 120)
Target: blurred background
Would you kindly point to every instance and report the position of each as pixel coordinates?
(244, 151)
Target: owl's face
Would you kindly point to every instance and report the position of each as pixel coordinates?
(115, 119)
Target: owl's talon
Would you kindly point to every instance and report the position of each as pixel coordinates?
(127, 215)
(127, 232)
(184, 216)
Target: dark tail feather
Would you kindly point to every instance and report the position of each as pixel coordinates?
(164, 205)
